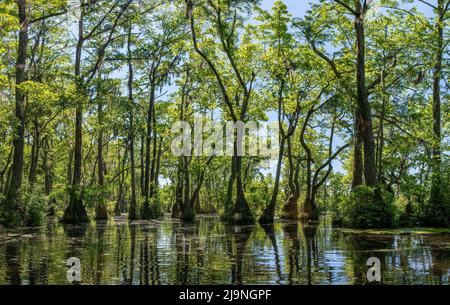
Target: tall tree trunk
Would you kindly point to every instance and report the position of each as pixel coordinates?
(132, 214)
(178, 205)
(242, 213)
(75, 211)
(357, 175)
(309, 209)
(290, 209)
(436, 208)
(229, 199)
(269, 212)
(187, 213)
(48, 177)
(34, 153)
(381, 134)
(19, 140)
(365, 126)
(158, 165)
(146, 208)
(142, 167)
(154, 157)
(101, 212)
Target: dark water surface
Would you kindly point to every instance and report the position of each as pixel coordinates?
(209, 252)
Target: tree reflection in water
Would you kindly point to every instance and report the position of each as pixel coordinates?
(210, 252)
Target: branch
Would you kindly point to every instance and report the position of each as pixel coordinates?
(429, 4)
(211, 66)
(347, 7)
(100, 57)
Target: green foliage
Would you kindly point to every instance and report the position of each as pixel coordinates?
(258, 193)
(35, 205)
(90, 195)
(366, 207)
(437, 212)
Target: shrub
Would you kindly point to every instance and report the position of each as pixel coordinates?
(366, 207)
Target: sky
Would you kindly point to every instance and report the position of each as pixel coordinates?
(296, 7)
(299, 7)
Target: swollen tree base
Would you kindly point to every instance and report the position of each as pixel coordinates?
(188, 215)
(290, 209)
(309, 211)
(267, 217)
(75, 212)
(101, 212)
(242, 217)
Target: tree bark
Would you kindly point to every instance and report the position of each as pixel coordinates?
(365, 125)
(436, 208)
(132, 213)
(357, 176)
(146, 208)
(269, 212)
(76, 212)
(101, 212)
(19, 139)
(34, 153)
(290, 209)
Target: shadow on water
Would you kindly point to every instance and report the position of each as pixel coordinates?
(210, 252)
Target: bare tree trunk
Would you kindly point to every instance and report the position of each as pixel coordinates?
(357, 176)
(229, 199)
(19, 140)
(34, 153)
(269, 212)
(154, 157)
(132, 213)
(176, 211)
(309, 209)
(76, 212)
(365, 126)
(101, 212)
(290, 209)
(242, 213)
(146, 208)
(187, 213)
(436, 208)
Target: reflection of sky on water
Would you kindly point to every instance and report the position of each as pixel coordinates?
(208, 252)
